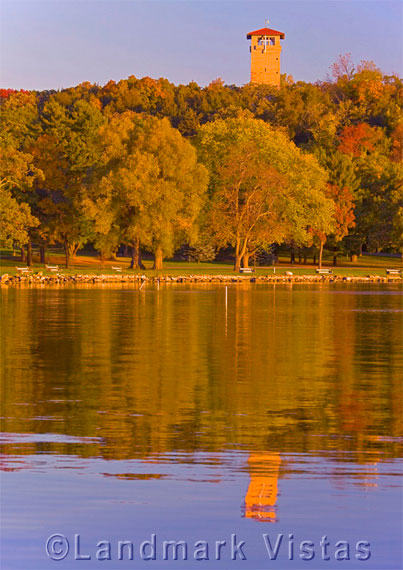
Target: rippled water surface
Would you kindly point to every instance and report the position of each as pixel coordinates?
(195, 414)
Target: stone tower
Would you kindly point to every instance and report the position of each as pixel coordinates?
(265, 50)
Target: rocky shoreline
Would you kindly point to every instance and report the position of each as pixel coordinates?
(141, 280)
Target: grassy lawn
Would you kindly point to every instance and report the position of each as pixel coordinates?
(88, 264)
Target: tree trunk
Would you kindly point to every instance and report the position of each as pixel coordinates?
(67, 254)
(158, 258)
(299, 256)
(241, 255)
(23, 256)
(237, 263)
(245, 259)
(42, 253)
(140, 259)
(137, 262)
(29, 253)
(292, 258)
(314, 258)
(305, 258)
(133, 263)
(74, 249)
(322, 243)
(126, 251)
(335, 259)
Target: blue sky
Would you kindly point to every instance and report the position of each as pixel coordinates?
(57, 43)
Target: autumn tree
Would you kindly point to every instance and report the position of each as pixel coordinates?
(17, 178)
(357, 140)
(373, 156)
(151, 187)
(18, 173)
(342, 188)
(263, 189)
(243, 209)
(67, 152)
(16, 220)
(343, 217)
(117, 197)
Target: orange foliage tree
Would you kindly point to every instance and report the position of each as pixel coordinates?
(359, 139)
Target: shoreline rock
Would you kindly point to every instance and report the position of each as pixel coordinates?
(82, 279)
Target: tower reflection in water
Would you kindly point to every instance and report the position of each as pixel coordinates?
(261, 496)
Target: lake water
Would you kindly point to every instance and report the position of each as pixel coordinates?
(264, 414)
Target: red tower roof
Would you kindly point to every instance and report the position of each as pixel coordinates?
(265, 32)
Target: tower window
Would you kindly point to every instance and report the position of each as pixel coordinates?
(266, 41)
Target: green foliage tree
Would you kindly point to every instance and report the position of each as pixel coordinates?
(379, 205)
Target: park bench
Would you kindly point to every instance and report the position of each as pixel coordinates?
(324, 271)
(53, 268)
(23, 269)
(117, 269)
(392, 271)
(246, 270)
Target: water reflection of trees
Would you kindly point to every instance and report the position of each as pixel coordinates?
(154, 372)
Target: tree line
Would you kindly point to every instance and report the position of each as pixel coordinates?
(153, 166)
